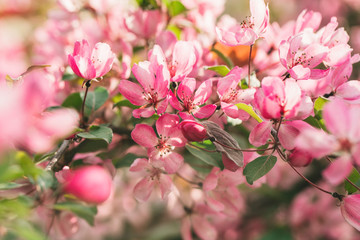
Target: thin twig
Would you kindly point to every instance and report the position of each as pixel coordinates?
(249, 63)
(58, 154)
(82, 114)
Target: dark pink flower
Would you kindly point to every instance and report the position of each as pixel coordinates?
(193, 131)
(160, 149)
(152, 94)
(188, 102)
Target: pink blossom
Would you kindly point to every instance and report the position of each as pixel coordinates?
(301, 54)
(188, 102)
(179, 61)
(248, 31)
(350, 209)
(145, 24)
(277, 98)
(230, 94)
(152, 176)
(91, 63)
(161, 149)
(152, 92)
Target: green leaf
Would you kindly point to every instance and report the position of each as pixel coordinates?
(85, 212)
(95, 99)
(227, 60)
(222, 70)
(175, 8)
(25, 230)
(27, 165)
(98, 132)
(125, 161)
(213, 159)
(73, 101)
(10, 185)
(175, 30)
(125, 103)
(355, 178)
(69, 77)
(258, 168)
(91, 145)
(278, 233)
(313, 122)
(319, 103)
(147, 4)
(249, 110)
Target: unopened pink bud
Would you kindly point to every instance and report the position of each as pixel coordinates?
(193, 131)
(350, 209)
(91, 184)
(300, 158)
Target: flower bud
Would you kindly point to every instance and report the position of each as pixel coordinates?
(350, 209)
(91, 184)
(193, 131)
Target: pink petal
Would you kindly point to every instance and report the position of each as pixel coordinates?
(215, 205)
(233, 112)
(227, 37)
(139, 164)
(166, 40)
(162, 105)
(175, 102)
(133, 92)
(173, 162)
(103, 58)
(319, 73)
(316, 142)
(183, 59)
(338, 170)
(143, 189)
(299, 72)
(186, 229)
(260, 134)
(205, 111)
(260, 13)
(203, 228)
(211, 180)
(186, 88)
(337, 124)
(246, 36)
(349, 91)
(144, 75)
(287, 135)
(203, 92)
(166, 123)
(350, 209)
(144, 135)
(74, 66)
(165, 184)
(143, 113)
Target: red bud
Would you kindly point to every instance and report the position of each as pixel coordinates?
(193, 131)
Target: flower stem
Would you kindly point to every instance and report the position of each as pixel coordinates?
(249, 63)
(82, 114)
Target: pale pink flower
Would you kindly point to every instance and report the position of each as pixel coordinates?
(230, 94)
(301, 54)
(152, 94)
(350, 209)
(152, 177)
(190, 103)
(90, 63)
(277, 98)
(349, 92)
(179, 60)
(145, 24)
(161, 149)
(248, 31)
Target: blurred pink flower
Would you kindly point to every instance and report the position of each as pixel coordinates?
(350, 209)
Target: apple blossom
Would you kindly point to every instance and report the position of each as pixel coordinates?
(248, 31)
(350, 209)
(91, 63)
